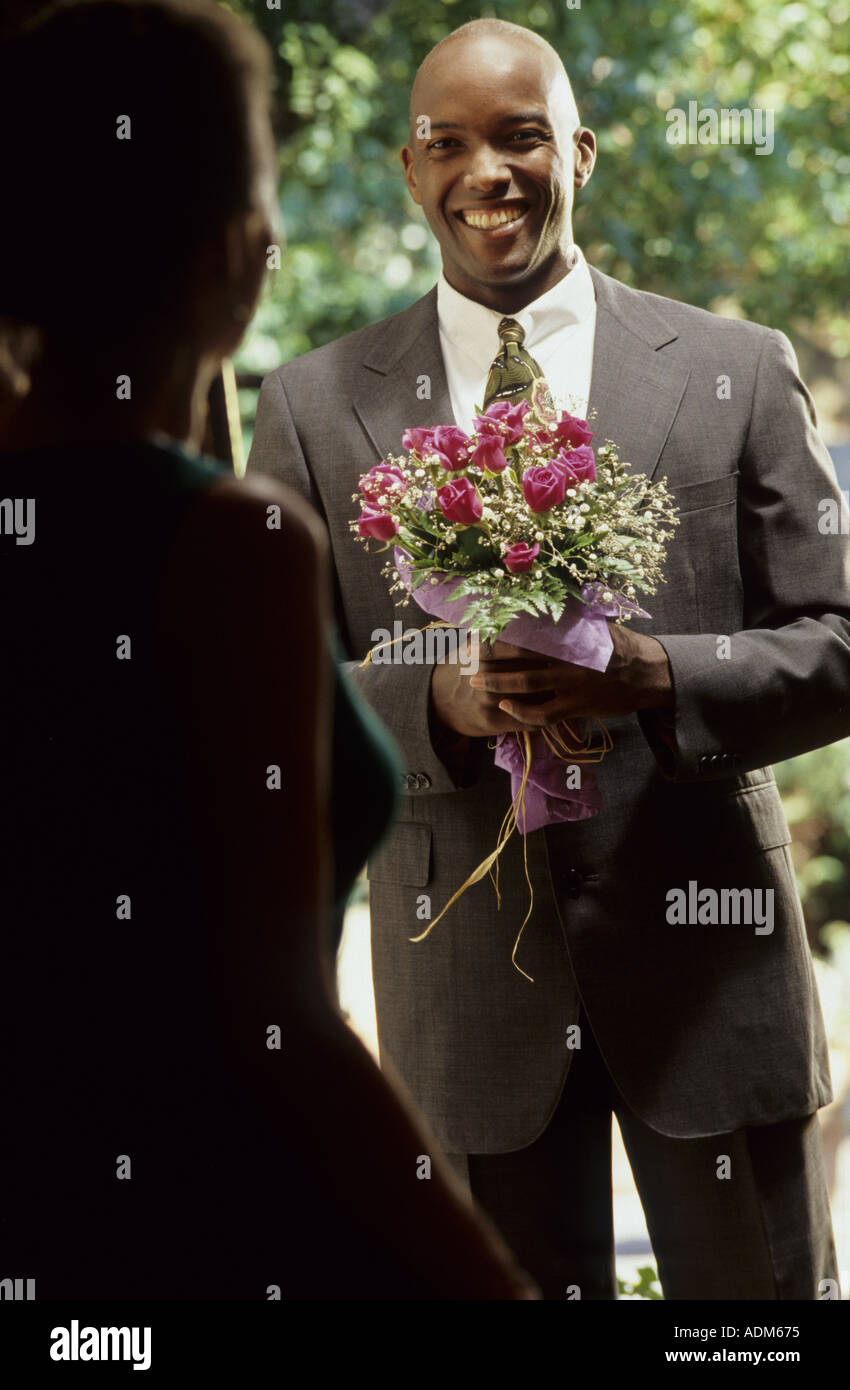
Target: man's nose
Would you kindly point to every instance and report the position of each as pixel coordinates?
(486, 170)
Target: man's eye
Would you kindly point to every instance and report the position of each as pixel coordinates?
(442, 144)
(528, 135)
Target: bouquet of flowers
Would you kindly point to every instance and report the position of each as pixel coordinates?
(520, 530)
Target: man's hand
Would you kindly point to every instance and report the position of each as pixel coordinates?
(473, 712)
(543, 691)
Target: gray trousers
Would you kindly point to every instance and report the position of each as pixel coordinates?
(732, 1216)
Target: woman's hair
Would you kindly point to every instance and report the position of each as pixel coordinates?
(129, 136)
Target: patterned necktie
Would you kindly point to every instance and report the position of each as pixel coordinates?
(514, 371)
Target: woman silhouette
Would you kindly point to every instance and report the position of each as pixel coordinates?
(186, 1113)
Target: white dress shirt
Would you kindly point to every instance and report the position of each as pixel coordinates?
(560, 328)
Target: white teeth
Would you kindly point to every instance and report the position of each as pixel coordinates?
(483, 220)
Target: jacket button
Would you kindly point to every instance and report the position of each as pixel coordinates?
(409, 781)
(574, 883)
(423, 780)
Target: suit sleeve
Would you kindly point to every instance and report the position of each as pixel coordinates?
(436, 760)
(785, 686)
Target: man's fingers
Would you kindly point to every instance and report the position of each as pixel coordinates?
(498, 668)
(494, 682)
(538, 716)
(502, 651)
(497, 721)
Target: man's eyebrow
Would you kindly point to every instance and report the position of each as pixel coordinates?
(527, 118)
(521, 118)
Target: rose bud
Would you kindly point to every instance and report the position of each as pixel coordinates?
(422, 441)
(520, 557)
(459, 502)
(570, 430)
(543, 487)
(489, 454)
(382, 478)
(504, 420)
(578, 465)
(375, 523)
(451, 446)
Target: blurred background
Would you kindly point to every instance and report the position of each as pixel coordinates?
(745, 235)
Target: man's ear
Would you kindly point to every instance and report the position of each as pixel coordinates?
(584, 145)
(410, 174)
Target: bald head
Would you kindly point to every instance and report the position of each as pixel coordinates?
(496, 42)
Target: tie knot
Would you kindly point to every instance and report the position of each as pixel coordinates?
(511, 332)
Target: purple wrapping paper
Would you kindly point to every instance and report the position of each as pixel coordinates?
(547, 798)
(580, 636)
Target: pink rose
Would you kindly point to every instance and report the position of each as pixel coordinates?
(373, 522)
(382, 478)
(490, 454)
(420, 440)
(570, 430)
(451, 445)
(503, 420)
(459, 502)
(543, 487)
(520, 557)
(578, 465)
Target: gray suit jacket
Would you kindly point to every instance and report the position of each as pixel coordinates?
(705, 1028)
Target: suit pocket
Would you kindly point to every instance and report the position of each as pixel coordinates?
(711, 492)
(405, 857)
(704, 560)
(755, 813)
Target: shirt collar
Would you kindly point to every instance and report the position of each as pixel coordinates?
(473, 327)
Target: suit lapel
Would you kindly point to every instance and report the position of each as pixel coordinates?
(635, 389)
(407, 380)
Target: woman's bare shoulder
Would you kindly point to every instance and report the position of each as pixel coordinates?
(252, 548)
(243, 505)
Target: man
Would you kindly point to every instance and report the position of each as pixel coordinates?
(702, 1031)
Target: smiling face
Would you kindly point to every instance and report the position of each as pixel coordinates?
(496, 172)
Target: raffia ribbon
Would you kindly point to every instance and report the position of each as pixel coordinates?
(367, 660)
(571, 748)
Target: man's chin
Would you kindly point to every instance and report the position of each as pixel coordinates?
(508, 262)
(507, 270)
(510, 271)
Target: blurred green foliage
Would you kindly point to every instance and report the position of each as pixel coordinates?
(816, 795)
(709, 224)
(645, 1286)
